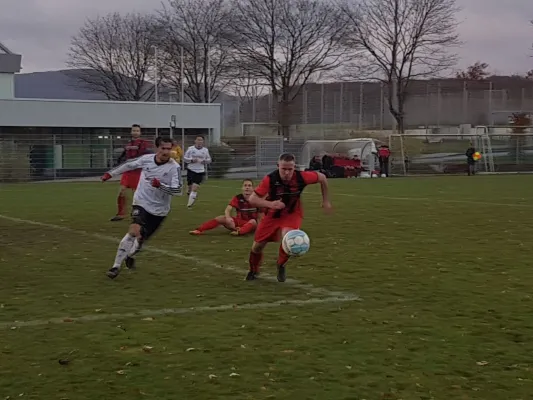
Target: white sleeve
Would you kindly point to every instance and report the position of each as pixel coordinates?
(207, 156)
(130, 165)
(188, 156)
(174, 189)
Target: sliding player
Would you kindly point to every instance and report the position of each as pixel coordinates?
(160, 180)
(243, 223)
(280, 192)
(196, 157)
(136, 147)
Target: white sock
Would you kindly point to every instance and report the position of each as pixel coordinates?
(123, 248)
(192, 199)
(134, 248)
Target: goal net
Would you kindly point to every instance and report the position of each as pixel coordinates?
(259, 129)
(501, 152)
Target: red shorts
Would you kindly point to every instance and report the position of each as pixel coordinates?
(130, 179)
(239, 222)
(269, 229)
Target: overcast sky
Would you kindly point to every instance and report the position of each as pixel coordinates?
(494, 31)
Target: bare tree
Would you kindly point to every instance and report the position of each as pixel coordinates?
(401, 40)
(114, 55)
(476, 72)
(198, 28)
(284, 43)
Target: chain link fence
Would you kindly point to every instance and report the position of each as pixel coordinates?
(331, 110)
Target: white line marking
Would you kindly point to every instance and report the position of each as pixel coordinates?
(435, 200)
(310, 289)
(424, 199)
(178, 311)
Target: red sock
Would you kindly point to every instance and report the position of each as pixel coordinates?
(255, 261)
(282, 256)
(246, 228)
(211, 224)
(121, 203)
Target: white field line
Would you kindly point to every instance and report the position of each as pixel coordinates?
(435, 200)
(178, 311)
(308, 288)
(422, 199)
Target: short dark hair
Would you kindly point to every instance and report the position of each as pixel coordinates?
(136, 126)
(199, 136)
(287, 157)
(162, 139)
(248, 180)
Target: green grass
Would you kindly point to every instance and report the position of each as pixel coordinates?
(443, 266)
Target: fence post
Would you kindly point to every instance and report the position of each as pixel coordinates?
(439, 104)
(341, 116)
(322, 109)
(381, 107)
(489, 116)
(361, 99)
(304, 105)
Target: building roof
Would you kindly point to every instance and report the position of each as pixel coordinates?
(10, 62)
(4, 49)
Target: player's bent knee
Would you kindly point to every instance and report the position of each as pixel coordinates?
(257, 247)
(135, 230)
(221, 219)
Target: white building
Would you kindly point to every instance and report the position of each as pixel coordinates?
(81, 135)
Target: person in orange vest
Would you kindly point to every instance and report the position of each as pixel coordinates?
(384, 155)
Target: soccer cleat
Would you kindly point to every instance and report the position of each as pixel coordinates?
(196, 232)
(113, 272)
(130, 263)
(117, 218)
(282, 274)
(251, 276)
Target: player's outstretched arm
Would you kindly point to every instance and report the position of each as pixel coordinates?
(130, 165)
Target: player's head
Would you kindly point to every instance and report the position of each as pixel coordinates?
(286, 166)
(164, 147)
(199, 142)
(247, 187)
(136, 131)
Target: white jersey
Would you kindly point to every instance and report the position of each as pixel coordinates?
(201, 156)
(156, 201)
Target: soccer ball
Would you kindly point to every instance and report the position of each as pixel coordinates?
(295, 243)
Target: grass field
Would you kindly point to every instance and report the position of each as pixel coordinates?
(442, 267)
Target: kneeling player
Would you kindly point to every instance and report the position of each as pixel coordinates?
(160, 180)
(244, 222)
(280, 192)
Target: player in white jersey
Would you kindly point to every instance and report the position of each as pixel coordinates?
(160, 180)
(196, 157)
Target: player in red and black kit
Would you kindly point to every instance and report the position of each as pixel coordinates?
(279, 193)
(244, 222)
(136, 147)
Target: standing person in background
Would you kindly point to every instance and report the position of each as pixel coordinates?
(176, 153)
(470, 162)
(135, 148)
(196, 157)
(384, 156)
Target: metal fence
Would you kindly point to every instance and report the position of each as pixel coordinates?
(321, 110)
(23, 158)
